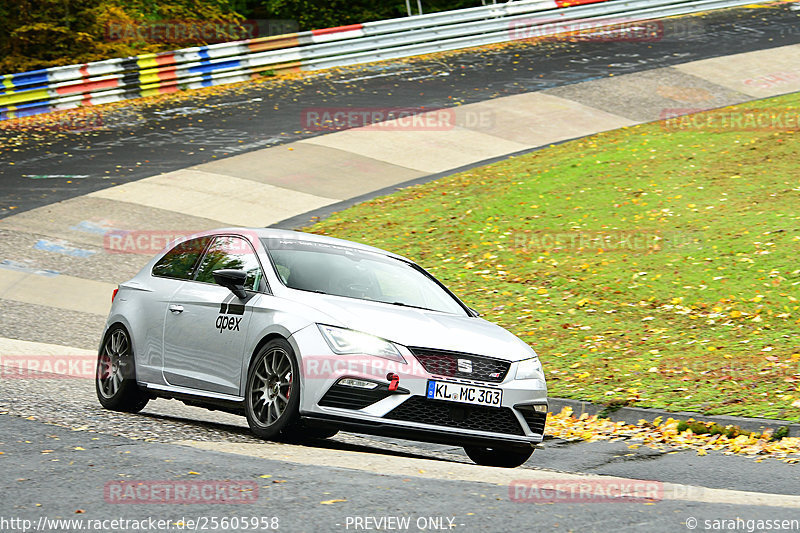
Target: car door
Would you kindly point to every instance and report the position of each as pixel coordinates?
(205, 330)
(167, 275)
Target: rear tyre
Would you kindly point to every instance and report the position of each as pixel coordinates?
(272, 395)
(115, 379)
(502, 457)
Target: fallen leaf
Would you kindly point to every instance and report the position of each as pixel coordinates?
(331, 502)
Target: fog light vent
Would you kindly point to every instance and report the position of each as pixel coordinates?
(359, 383)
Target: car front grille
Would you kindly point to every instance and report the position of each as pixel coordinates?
(535, 420)
(353, 397)
(462, 416)
(462, 365)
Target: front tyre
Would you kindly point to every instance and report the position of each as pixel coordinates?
(115, 380)
(272, 395)
(499, 456)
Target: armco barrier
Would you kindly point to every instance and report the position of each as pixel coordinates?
(112, 80)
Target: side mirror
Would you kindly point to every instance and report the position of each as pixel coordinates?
(233, 280)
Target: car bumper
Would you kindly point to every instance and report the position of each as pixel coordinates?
(407, 412)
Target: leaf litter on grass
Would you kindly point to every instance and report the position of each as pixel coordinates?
(699, 311)
(667, 434)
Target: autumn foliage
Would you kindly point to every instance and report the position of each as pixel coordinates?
(38, 34)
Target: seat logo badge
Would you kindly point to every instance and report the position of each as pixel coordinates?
(229, 322)
(465, 365)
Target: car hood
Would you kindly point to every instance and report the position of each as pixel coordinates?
(421, 328)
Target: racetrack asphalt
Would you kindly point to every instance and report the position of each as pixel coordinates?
(59, 474)
(142, 138)
(65, 416)
(60, 470)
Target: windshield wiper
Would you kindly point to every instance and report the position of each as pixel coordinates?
(401, 304)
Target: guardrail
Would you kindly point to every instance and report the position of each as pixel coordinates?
(112, 80)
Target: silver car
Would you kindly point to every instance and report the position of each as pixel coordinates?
(307, 335)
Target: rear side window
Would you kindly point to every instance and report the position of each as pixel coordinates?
(179, 262)
(234, 253)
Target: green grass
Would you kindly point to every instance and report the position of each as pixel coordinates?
(698, 311)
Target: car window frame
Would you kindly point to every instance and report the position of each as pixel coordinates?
(264, 282)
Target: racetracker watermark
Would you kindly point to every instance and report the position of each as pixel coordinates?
(399, 523)
(149, 242)
(749, 525)
(327, 367)
(608, 30)
(718, 120)
(180, 492)
(767, 81)
(393, 118)
(603, 241)
(585, 491)
(149, 523)
(48, 366)
(196, 31)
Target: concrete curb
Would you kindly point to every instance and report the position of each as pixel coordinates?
(631, 415)
(313, 216)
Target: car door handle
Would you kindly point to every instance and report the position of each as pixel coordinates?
(176, 309)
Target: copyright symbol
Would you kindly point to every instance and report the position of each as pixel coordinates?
(691, 522)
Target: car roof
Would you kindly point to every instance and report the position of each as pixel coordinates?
(273, 233)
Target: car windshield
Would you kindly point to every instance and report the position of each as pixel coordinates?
(343, 271)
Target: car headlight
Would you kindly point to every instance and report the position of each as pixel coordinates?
(348, 341)
(530, 369)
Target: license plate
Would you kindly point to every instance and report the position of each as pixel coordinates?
(455, 392)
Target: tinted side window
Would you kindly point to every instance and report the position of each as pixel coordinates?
(180, 261)
(231, 252)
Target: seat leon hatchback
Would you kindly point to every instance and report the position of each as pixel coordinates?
(307, 335)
